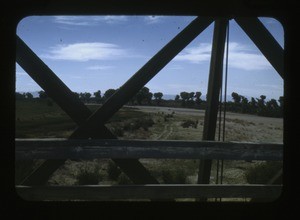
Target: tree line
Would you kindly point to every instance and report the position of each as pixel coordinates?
(240, 104)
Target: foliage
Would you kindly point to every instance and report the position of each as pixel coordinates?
(88, 175)
(189, 123)
(124, 180)
(113, 170)
(173, 176)
(262, 173)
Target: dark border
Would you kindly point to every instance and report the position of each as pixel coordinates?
(12, 205)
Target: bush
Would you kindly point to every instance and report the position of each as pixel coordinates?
(124, 180)
(174, 176)
(262, 173)
(113, 170)
(88, 175)
(189, 123)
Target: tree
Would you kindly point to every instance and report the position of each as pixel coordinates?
(236, 97)
(19, 96)
(177, 97)
(42, 94)
(28, 95)
(87, 96)
(198, 99)
(158, 96)
(97, 95)
(184, 96)
(108, 93)
(143, 94)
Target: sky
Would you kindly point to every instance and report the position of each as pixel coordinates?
(90, 53)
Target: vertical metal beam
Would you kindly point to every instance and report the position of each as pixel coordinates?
(265, 42)
(213, 92)
(141, 77)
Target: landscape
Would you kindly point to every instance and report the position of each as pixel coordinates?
(150, 117)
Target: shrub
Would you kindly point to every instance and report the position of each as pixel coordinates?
(189, 123)
(113, 170)
(124, 180)
(174, 176)
(262, 173)
(88, 175)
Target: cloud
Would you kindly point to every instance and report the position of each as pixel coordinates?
(89, 20)
(195, 54)
(240, 56)
(85, 52)
(153, 19)
(18, 73)
(97, 67)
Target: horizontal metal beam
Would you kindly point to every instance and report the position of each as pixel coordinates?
(127, 149)
(265, 42)
(108, 193)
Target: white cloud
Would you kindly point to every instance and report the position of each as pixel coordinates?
(195, 54)
(153, 19)
(86, 52)
(18, 73)
(89, 20)
(240, 56)
(97, 67)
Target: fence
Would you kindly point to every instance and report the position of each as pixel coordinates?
(28, 149)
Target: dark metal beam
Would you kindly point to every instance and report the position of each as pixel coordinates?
(213, 93)
(71, 104)
(265, 42)
(131, 149)
(141, 77)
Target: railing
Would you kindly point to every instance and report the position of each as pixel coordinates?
(27, 149)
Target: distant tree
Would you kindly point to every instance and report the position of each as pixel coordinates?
(20, 96)
(108, 93)
(177, 97)
(42, 94)
(158, 96)
(28, 95)
(143, 95)
(198, 99)
(236, 97)
(97, 95)
(261, 105)
(87, 96)
(184, 97)
(245, 104)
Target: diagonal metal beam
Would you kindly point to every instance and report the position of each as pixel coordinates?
(265, 42)
(64, 97)
(213, 93)
(141, 77)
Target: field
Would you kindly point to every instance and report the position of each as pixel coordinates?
(41, 119)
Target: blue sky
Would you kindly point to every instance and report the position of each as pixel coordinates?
(101, 52)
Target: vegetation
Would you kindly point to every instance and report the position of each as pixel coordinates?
(240, 103)
(89, 175)
(263, 172)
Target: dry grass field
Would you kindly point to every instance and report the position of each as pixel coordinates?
(151, 123)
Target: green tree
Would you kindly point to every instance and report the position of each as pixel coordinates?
(97, 95)
(29, 95)
(184, 97)
(143, 95)
(20, 96)
(108, 93)
(42, 94)
(236, 97)
(198, 99)
(177, 97)
(158, 96)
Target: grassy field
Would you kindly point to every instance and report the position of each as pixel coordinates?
(41, 119)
